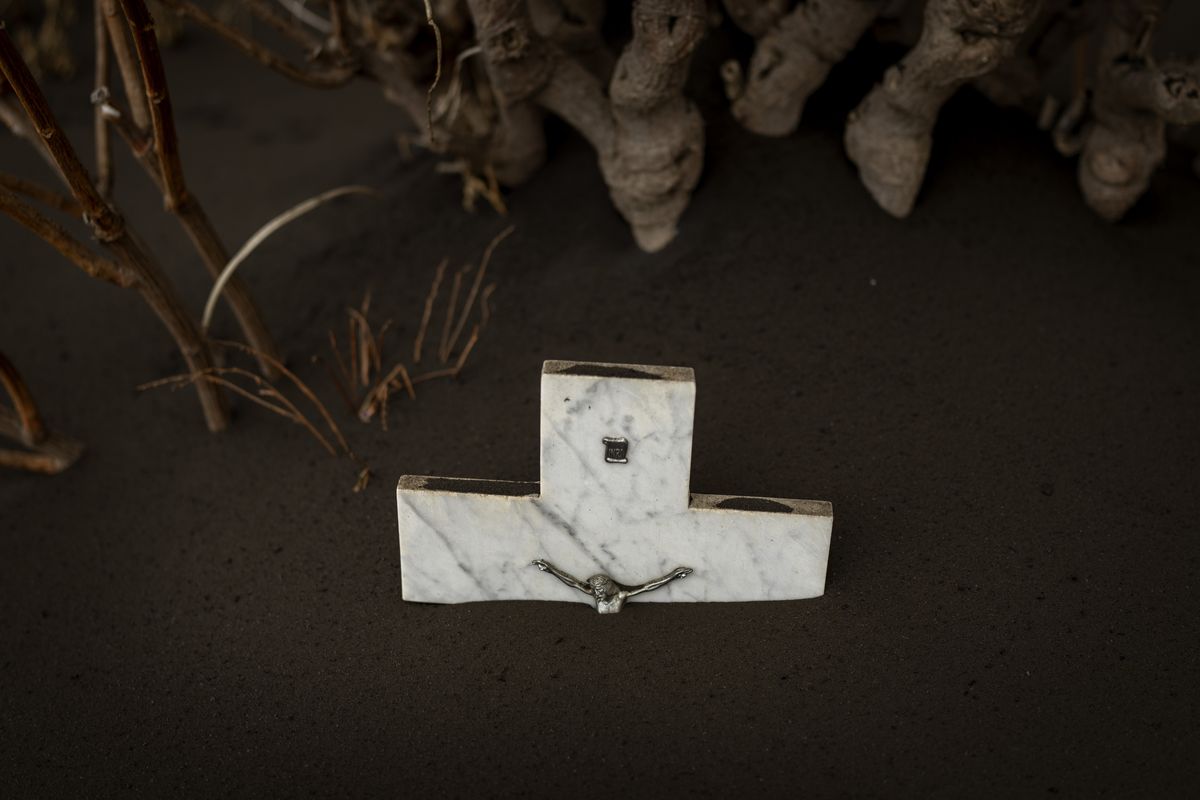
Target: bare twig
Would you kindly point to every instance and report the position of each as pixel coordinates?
(68, 246)
(479, 275)
(437, 75)
(451, 308)
(365, 343)
(377, 397)
(15, 121)
(104, 172)
(326, 78)
(49, 452)
(109, 228)
(135, 94)
(466, 351)
(217, 375)
(364, 477)
(337, 26)
(300, 385)
(51, 456)
(44, 196)
(105, 222)
(203, 236)
(33, 430)
(428, 311)
(166, 141)
(485, 305)
(352, 346)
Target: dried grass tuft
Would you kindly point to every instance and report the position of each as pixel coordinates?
(358, 365)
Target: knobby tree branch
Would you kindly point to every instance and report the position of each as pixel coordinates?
(48, 452)
(110, 230)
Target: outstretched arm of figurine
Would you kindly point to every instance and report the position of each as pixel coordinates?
(675, 574)
(569, 580)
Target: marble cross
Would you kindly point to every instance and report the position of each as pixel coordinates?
(614, 504)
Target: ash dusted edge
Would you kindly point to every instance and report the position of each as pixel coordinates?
(626, 519)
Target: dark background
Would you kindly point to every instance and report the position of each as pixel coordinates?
(999, 395)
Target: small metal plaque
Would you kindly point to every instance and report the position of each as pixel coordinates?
(616, 450)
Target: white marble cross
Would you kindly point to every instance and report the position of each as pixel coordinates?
(613, 501)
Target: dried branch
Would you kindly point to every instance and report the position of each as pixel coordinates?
(300, 385)
(485, 305)
(109, 228)
(327, 78)
(106, 223)
(33, 430)
(474, 293)
(377, 397)
(104, 170)
(51, 456)
(437, 76)
(337, 26)
(13, 118)
(68, 246)
(342, 376)
(49, 452)
(166, 141)
(455, 288)
(428, 310)
(37, 192)
(204, 238)
(123, 54)
(216, 376)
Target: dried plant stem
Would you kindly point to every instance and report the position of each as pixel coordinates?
(455, 288)
(485, 305)
(123, 55)
(33, 430)
(15, 121)
(437, 76)
(474, 293)
(337, 26)
(49, 453)
(300, 385)
(428, 310)
(166, 142)
(326, 78)
(207, 243)
(36, 192)
(109, 228)
(68, 246)
(51, 456)
(466, 351)
(341, 375)
(216, 376)
(104, 171)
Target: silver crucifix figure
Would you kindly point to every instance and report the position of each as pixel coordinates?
(609, 595)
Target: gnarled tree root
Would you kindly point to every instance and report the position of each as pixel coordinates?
(890, 134)
(649, 138)
(1135, 99)
(792, 59)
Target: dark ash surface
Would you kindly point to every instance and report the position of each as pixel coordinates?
(999, 396)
